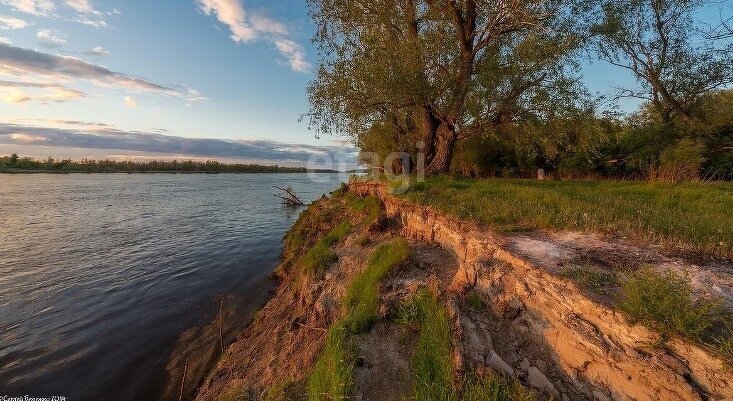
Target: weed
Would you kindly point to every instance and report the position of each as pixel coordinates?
(665, 302)
(590, 278)
(474, 300)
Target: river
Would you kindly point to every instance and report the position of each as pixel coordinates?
(100, 274)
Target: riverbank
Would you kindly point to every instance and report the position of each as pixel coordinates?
(470, 312)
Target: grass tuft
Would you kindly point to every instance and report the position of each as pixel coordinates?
(494, 388)
(665, 302)
(320, 256)
(474, 301)
(590, 278)
(368, 205)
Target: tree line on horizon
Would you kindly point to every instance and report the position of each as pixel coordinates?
(495, 88)
(16, 163)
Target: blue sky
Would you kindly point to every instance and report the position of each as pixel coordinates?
(234, 70)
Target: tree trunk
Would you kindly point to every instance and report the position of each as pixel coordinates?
(444, 144)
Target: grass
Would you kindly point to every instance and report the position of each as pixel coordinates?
(432, 362)
(665, 302)
(320, 256)
(590, 278)
(474, 300)
(332, 377)
(687, 216)
(368, 205)
(362, 296)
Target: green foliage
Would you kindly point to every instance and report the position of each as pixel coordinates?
(681, 161)
(290, 391)
(665, 302)
(333, 376)
(689, 216)
(590, 278)
(362, 296)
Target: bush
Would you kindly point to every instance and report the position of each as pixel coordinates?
(679, 162)
(665, 302)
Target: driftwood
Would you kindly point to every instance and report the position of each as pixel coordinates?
(289, 197)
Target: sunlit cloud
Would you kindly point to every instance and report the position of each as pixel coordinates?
(26, 63)
(26, 92)
(5, 41)
(26, 138)
(12, 23)
(248, 27)
(82, 6)
(51, 39)
(130, 102)
(35, 7)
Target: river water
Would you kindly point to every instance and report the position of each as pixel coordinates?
(100, 274)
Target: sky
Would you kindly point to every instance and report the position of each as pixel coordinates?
(204, 79)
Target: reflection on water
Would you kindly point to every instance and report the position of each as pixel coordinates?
(100, 274)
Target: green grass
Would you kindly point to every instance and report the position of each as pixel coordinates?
(320, 256)
(474, 300)
(432, 362)
(362, 296)
(687, 216)
(368, 205)
(332, 377)
(665, 302)
(590, 278)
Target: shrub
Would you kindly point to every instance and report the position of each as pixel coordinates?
(665, 302)
(679, 162)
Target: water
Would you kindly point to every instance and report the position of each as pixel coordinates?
(99, 274)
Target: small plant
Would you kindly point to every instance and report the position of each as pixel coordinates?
(474, 301)
(368, 205)
(665, 302)
(494, 388)
(320, 256)
(590, 278)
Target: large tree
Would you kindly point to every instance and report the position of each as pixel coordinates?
(657, 41)
(432, 71)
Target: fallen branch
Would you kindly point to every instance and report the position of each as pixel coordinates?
(289, 198)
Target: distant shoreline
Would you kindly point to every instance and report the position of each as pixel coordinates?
(12, 172)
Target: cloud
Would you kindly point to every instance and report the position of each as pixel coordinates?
(26, 138)
(27, 62)
(82, 6)
(35, 7)
(98, 51)
(51, 39)
(12, 23)
(5, 41)
(246, 28)
(25, 92)
(153, 143)
(130, 102)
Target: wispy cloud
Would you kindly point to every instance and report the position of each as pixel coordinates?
(26, 63)
(35, 7)
(12, 23)
(151, 143)
(51, 39)
(248, 27)
(98, 51)
(5, 41)
(25, 92)
(82, 6)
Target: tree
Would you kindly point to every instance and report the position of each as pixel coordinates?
(654, 39)
(13, 159)
(436, 71)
